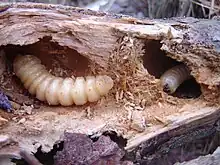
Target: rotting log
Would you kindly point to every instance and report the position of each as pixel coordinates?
(134, 52)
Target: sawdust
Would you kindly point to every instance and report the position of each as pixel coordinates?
(133, 85)
(135, 89)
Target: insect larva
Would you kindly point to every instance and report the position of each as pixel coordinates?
(174, 77)
(57, 90)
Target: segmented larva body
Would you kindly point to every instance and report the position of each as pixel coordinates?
(56, 90)
(174, 77)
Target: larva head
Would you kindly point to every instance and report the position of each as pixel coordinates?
(166, 88)
(104, 84)
(21, 60)
(169, 85)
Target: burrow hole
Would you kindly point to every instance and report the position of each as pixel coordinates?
(50, 54)
(47, 158)
(60, 60)
(122, 142)
(156, 62)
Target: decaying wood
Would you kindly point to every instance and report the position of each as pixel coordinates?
(96, 36)
(159, 144)
(209, 159)
(90, 33)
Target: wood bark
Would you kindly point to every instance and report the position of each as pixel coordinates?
(95, 35)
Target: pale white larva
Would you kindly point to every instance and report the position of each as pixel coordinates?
(56, 90)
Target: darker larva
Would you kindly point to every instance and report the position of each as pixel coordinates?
(174, 77)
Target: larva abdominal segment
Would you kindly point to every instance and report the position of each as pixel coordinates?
(56, 90)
